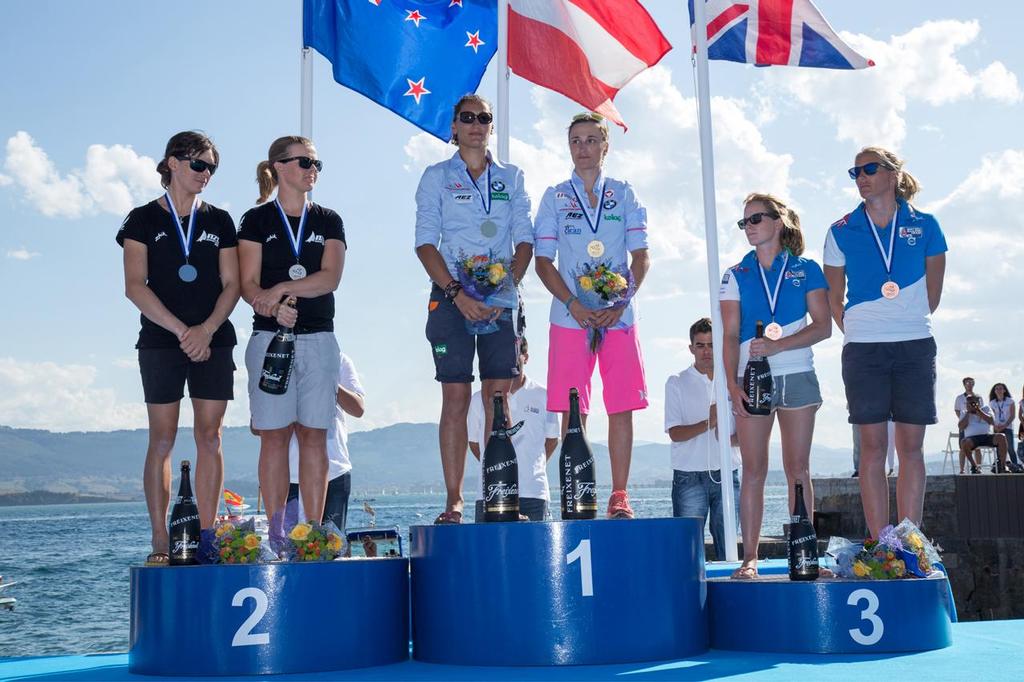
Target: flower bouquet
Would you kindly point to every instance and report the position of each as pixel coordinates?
(489, 280)
(311, 541)
(240, 544)
(898, 552)
(600, 287)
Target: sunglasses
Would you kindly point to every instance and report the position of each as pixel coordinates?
(305, 162)
(588, 116)
(756, 218)
(198, 165)
(868, 169)
(469, 117)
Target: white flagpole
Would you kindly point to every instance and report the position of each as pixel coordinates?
(707, 166)
(306, 95)
(503, 79)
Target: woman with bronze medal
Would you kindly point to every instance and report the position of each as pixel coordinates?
(292, 250)
(181, 272)
(776, 286)
(888, 260)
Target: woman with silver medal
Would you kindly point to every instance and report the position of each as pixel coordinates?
(773, 284)
(887, 259)
(181, 271)
(292, 250)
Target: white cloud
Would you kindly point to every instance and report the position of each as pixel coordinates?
(1000, 178)
(113, 180)
(22, 254)
(922, 65)
(5, 180)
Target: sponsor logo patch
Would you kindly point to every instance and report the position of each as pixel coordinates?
(211, 238)
(159, 235)
(613, 218)
(432, 306)
(462, 198)
(440, 349)
(499, 196)
(498, 185)
(270, 238)
(315, 238)
(573, 215)
(610, 204)
(572, 229)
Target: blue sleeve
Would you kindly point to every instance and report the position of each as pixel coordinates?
(546, 245)
(428, 207)
(815, 277)
(936, 240)
(522, 226)
(636, 221)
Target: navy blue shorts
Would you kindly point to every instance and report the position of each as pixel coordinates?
(454, 348)
(890, 380)
(166, 370)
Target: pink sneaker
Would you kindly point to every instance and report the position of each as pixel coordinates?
(618, 505)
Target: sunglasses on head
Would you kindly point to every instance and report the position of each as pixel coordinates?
(756, 218)
(198, 165)
(469, 117)
(588, 116)
(868, 169)
(305, 162)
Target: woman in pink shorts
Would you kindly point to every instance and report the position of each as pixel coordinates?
(584, 222)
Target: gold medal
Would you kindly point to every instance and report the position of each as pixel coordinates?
(773, 331)
(595, 248)
(890, 290)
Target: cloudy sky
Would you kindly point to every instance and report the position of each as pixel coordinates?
(93, 91)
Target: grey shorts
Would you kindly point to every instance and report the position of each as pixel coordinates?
(312, 389)
(795, 391)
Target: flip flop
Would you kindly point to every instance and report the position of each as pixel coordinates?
(448, 518)
(158, 559)
(826, 573)
(744, 573)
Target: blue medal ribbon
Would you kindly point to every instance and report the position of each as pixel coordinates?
(886, 257)
(485, 196)
(773, 298)
(294, 239)
(185, 239)
(594, 225)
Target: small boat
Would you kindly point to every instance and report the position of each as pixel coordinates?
(7, 603)
(236, 512)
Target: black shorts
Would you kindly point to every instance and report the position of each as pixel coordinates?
(453, 347)
(982, 440)
(890, 380)
(165, 371)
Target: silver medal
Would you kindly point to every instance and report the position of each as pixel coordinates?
(488, 228)
(296, 271)
(187, 273)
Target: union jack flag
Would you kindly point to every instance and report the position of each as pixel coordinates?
(775, 32)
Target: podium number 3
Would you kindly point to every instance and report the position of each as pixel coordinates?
(244, 636)
(582, 552)
(869, 614)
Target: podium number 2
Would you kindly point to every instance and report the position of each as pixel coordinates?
(869, 614)
(244, 636)
(582, 552)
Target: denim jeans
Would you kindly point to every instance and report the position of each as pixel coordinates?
(1011, 451)
(694, 494)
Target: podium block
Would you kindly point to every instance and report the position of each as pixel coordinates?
(268, 618)
(830, 616)
(560, 593)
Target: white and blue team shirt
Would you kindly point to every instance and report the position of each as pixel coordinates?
(742, 282)
(451, 207)
(869, 317)
(566, 225)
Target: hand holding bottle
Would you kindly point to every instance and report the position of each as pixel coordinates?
(286, 313)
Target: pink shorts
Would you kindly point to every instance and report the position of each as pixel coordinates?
(571, 364)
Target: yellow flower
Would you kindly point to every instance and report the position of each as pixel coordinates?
(899, 568)
(252, 541)
(586, 283)
(914, 540)
(224, 528)
(860, 569)
(619, 281)
(495, 273)
(333, 542)
(300, 532)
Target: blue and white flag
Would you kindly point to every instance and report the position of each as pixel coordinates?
(414, 57)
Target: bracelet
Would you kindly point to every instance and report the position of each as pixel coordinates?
(452, 290)
(207, 329)
(568, 301)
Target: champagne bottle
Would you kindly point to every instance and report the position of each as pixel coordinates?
(277, 363)
(184, 529)
(803, 542)
(501, 470)
(757, 381)
(576, 467)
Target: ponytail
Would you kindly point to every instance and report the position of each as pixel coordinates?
(266, 176)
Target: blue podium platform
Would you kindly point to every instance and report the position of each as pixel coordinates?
(560, 593)
(268, 619)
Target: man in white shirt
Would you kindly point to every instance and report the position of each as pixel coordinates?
(692, 425)
(960, 404)
(534, 442)
(349, 399)
(976, 423)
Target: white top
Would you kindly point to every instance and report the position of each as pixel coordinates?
(529, 404)
(1001, 413)
(689, 396)
(960, 404)
(337, 433)
(976, 426)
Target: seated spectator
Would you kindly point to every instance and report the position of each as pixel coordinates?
(976, 423)
(960, 404)
(1004, 412)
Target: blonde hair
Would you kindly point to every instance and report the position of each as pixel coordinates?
(792, 238)
(266, 176)
(907, 185)
(590, 117)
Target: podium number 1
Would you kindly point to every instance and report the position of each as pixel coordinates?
(869, 614)
(244, 636)
(582, 552)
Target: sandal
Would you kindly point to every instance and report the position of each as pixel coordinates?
(158, 559)
(826, 573)
(448, 518)
(744, 573)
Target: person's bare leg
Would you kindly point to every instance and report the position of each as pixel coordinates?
(273, 469)
(209, 417)
(312, 471)
(797, 429)
(753, 433)
(620, 447)
(454, 440)
(910, 482)
(874, 486)
(156, 472)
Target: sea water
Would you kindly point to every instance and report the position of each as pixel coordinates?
(71, 562)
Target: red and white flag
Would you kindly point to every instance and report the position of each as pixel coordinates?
(585, 49)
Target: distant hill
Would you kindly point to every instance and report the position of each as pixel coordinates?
(400, 456)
